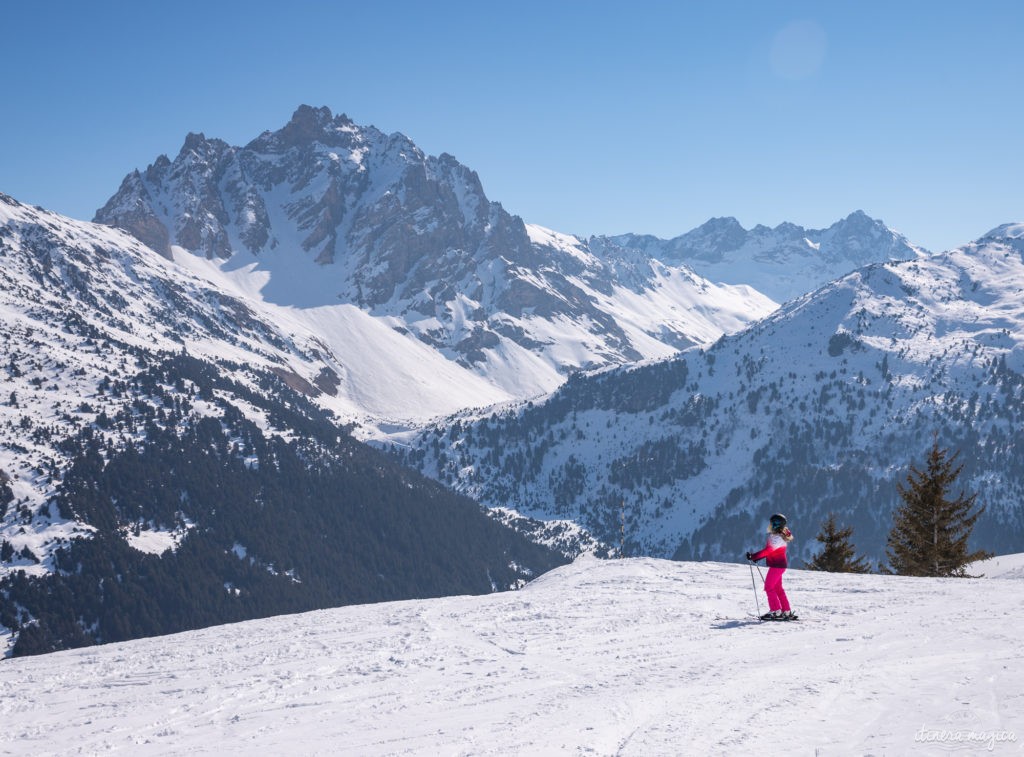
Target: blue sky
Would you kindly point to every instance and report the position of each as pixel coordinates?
(587, 117)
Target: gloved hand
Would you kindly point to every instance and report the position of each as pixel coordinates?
(750, 556)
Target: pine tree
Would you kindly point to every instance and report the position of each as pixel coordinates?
(837, 554)
(6, 493)
(930, 530)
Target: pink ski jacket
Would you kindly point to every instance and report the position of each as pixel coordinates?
(774, 552)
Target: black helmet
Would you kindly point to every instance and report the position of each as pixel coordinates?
(778, 521)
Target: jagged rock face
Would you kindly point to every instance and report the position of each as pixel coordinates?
(712, 240)
(136, 214)
(396, 221)
(409, 236)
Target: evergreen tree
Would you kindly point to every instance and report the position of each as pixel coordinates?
(837, 554)
(6, 493)
(930, 530)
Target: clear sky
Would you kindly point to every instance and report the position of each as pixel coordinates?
(587, 117)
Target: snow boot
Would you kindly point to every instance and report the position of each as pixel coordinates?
(789, 615)
(773, 615)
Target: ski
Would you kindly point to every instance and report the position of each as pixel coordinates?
(722, 622)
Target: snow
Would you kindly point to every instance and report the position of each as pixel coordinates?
(630, 657)
(153, 542)
(680, 301)
(393, 377)
(563, 536)
(565, 243)
(1001, 566)
(156, 541)
(1007, 231)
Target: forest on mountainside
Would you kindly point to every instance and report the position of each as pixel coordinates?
(265, 523)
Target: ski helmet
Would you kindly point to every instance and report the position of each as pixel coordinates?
(777, 521)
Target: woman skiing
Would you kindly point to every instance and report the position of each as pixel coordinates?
(774, 553)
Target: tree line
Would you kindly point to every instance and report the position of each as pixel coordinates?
(930, 531)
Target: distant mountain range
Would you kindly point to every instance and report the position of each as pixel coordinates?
(784, 262)
(819, 408)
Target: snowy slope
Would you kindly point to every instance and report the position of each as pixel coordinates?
(78, 301)
(1001, 566)
(783, 262)
(383, 376)
(630, 657)
(820, 407)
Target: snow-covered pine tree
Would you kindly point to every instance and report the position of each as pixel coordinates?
(930, 530)
(837, 554)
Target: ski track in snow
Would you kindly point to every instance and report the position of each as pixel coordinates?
(630, 657)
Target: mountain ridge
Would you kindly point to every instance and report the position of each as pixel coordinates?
(414, 240)
(721, 249)
(820, 406)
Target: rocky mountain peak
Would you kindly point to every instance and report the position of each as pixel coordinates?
(158, 167)
(309, 126)
(194, 141)
(859, 222)
(784, 230)
(724, 234)
(198, 147)
(721, 224)
(310, 119)
(347, 214)
(860, 239)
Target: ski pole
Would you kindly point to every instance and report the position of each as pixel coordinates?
(760, 574)
(754, 584)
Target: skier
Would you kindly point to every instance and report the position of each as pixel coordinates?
(775, 553)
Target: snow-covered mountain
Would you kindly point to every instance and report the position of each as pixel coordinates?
(325, 212)
(784, 262)
(820, 407)
(161, 431)
(75, 296)
(626, 657)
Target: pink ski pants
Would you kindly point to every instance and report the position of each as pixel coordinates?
(773, 588)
